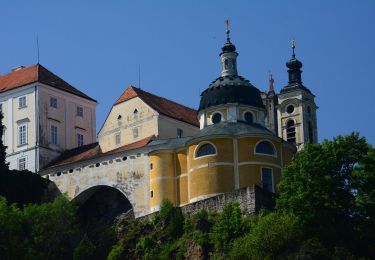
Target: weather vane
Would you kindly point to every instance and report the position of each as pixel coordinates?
(227, 30)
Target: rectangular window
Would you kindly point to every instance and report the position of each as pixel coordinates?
(53, 134)
(22, 102)
(22, 163)
(180, 132)
(1, 108)
(267, 182)
(118, 138)
(79, 111)
(53, 102)
(151, 166)
(152, 194)
(135, 132)
(79, 140)
(22, 134)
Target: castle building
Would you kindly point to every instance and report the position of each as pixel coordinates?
(151, 148)
(43, 116)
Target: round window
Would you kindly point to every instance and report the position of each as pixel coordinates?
(216, 118)
(290, 109)
(248, 118)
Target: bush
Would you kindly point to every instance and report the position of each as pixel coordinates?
(85, 250)
(171, 219)
(227, 228)
(115, 253)
(273, 236)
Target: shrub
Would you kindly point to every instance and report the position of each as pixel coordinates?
(85, 250)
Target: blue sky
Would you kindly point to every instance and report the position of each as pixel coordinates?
(97, 46)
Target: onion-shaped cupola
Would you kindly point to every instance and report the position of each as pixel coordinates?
(294, 70)
(230, 87)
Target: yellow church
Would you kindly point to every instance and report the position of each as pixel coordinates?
(151, 148)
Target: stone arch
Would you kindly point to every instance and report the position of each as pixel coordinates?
(102, 203)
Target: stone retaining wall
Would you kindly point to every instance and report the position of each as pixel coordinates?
(251, 200)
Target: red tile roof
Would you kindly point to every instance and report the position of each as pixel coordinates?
(93, 151)
(37, 73)
(162, 105)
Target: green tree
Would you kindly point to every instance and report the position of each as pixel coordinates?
(11, 235)
(51, 229)
(227, 227)
(273, 236)
(3, 164)
(331, 188)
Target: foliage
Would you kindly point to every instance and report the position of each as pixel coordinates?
(227, 227)
(3, 164)
(171, 219)
(85, 250)
(23, 187)
(46, 231)
(331, 188)
(272, 236)
(115, 253)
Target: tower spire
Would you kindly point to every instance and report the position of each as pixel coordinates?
(293, 47)
(228, 56)
(271, 82)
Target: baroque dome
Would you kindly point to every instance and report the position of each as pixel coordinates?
(230, 89)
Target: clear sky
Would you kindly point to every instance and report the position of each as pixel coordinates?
(97, 46)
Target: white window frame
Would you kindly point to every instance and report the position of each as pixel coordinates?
(212, 116)
(204, 156)
(80, 139)
(272, 179)
(19, 163)
(255, 119)
(54, 103)
(21, 138)
(79, 111)
(22, 104)
(265, 154)
(54, 139)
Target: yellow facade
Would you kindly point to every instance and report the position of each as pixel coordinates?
(183, 178)
(162, 178)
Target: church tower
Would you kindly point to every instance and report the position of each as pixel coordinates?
(296, 110)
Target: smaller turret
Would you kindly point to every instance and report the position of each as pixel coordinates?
(228, 56)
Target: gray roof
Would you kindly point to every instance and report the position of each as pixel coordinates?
(232, 129)
(216, 130)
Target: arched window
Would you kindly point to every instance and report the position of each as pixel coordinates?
(216, 118)
(265, 147)
(291, 132)
(226, 62)
(204, 150)
(248, 116)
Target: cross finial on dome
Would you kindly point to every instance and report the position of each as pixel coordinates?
(227, 31)
(293, 47)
